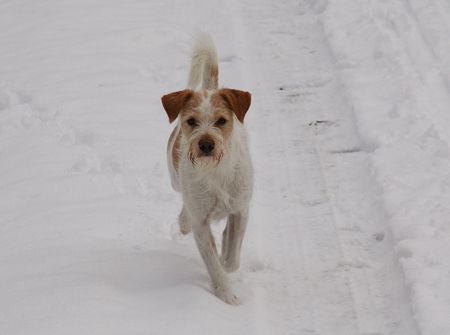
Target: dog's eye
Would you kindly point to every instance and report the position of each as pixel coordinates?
(192, 122)
(221, 121)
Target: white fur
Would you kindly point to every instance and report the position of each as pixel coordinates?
(204, 58)
(173, 173)
(213, 191)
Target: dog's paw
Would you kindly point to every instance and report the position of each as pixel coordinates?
(185, 226)
(227, 296)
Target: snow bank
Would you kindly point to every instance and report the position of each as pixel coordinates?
(393, 67)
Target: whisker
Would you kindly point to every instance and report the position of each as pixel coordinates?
(218, 158)
(192, 158)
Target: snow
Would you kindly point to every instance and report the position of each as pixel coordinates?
(349, 229)
(400, 96)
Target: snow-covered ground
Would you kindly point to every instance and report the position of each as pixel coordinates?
(350, 130)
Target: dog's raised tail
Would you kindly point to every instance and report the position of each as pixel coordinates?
(204, 64)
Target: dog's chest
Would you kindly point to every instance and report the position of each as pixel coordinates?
(218, 194)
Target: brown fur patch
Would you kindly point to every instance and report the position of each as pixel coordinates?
(215, 76)
(238, 101)
(211, 77)
(174, 102)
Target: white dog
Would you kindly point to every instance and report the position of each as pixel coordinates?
(209, 163)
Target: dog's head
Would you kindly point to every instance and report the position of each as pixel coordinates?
(207, 119)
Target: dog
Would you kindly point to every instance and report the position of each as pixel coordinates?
(209, 163)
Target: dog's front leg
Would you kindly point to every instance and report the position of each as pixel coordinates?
(232, 238)
(207, 247)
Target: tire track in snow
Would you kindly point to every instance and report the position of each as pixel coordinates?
(326, 264)
(433, 69)
(416, 100)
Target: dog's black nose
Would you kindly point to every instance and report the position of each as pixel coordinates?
(206, 145)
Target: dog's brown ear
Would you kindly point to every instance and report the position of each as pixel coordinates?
(239, 101)
(174, 102)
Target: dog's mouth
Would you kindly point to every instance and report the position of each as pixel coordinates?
(200, 158)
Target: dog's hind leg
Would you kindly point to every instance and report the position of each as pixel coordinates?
(232, 238)
(183, 221)
(207, 247)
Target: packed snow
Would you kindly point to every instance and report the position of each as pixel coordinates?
(349, 130)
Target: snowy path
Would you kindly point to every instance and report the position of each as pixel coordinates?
(327, 221)
(88, 235)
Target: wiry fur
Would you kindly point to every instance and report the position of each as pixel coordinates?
(217, 185)
(204, 65)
